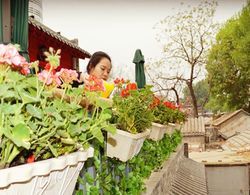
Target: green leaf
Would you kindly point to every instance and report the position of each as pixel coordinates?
(15, 76)
(32, 81)
(102, 103)
(89, 178)
(105, 116)
(97, 133)
(27, 98)
(3, 90)
(17, 119)
(68, 141)
(52, 111)
(20, 135)
(110, 128)
(121, 167)
(79, 192)
(10, 109)
(52, 149)
(82, 137)
(74, 130)
(34, 111)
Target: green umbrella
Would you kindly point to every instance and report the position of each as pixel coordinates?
(139, 69)
(19, 12)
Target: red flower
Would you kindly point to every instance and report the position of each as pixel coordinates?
(94, 84)
(119, 81)
(48, 66)
(124, 93)
(31, 158)
(156, 102)
(131, 86)
(169, 105)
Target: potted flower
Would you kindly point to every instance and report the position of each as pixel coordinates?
(132, 116)
(44, 141)
(166, 116)
(159, 123)
(176, 116)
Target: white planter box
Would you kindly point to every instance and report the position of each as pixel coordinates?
(157, 131)
(52, 176)
(178, 126)
(170, 128)
(124, 145)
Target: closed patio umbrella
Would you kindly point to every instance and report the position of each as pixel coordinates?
(19, 12)
(139, 69)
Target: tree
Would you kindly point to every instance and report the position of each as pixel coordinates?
(186, 39)
(201, 91)
(229, 65)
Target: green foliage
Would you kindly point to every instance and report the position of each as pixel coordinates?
(133, 113)
(229, 65)
(116, 177)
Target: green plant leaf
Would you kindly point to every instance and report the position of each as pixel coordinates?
(10, 108)
(102, 103)
(105, 116)
(110, 128)
(17, 119)
(74, 130)
(20, 135)
(3, 90)
(52, 111)
(89, 178)
(52, 149)
(27, 98)
(97, 133)
(34, 111)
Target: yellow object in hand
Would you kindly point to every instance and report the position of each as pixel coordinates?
(109, 87)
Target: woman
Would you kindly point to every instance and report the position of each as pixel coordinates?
(99, 66)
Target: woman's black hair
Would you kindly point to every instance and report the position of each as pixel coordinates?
(95, 59)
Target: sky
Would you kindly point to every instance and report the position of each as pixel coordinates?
(119, 27)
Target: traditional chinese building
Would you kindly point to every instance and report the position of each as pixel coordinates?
(232, 123)
(42, 37)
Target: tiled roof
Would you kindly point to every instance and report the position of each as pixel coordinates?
(56, 35)
(227, 116)
(194, 126)
(189, 179)
(220, 157)
(227, 134)
(239, 143)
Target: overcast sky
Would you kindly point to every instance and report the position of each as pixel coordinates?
(119, 27)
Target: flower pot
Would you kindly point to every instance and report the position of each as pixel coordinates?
(124, 145)
(178, 126)
(170, 127)
(157, 131)
(52, 176)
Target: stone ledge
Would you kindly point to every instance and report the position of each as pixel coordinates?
(179, 175)
(154, 182)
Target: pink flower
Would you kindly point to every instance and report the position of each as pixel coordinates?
(68, 75)
(9, 55)
(49, 78)
(25, 70)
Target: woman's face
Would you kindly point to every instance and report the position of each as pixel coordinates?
(102, 69)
